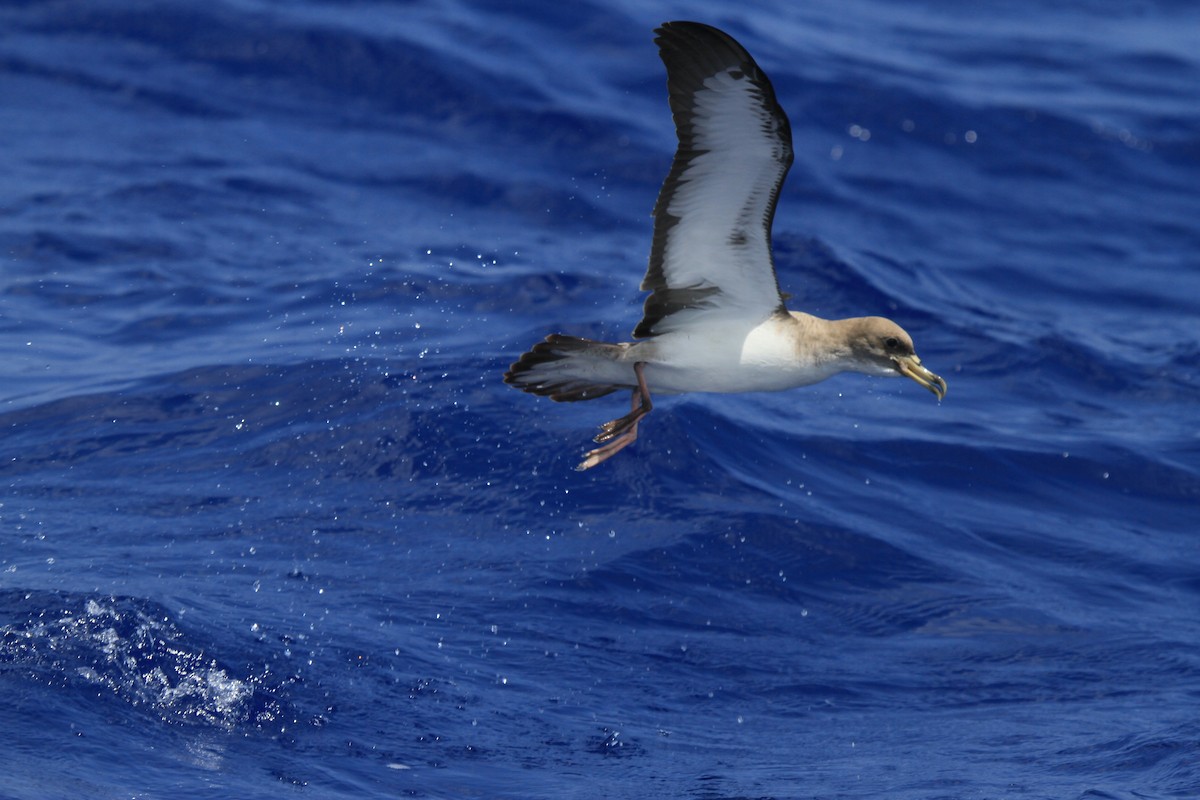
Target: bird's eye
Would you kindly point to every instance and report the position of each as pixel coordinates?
(892, 342)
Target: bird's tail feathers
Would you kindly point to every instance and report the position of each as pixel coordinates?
(568, 369)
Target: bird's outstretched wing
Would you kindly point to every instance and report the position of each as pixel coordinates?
(712, 222)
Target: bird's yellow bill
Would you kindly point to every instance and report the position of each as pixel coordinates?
(910, 367)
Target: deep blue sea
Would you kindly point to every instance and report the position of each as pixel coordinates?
(271, 525)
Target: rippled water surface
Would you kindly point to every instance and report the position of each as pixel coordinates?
(271, 524)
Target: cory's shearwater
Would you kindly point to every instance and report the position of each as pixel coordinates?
(715, 320)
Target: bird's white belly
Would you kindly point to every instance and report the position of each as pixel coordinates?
(726, 358)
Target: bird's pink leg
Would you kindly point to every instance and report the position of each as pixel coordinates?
(620, 433)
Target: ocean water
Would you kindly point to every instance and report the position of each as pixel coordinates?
(271, 525)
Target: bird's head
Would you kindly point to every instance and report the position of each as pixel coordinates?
(881, 347)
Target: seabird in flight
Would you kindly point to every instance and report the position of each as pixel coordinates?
(715, 320)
